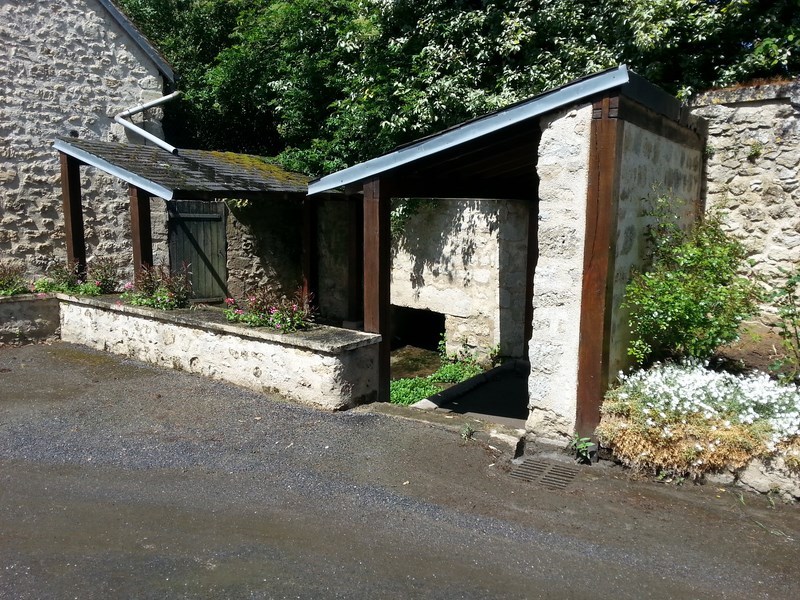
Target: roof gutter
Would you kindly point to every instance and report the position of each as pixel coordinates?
(121, 119)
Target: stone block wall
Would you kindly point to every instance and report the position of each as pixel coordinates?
(28, 318)
(650, 165)
(466, 259)
(752, 174)
(563, 169)
(66, 67)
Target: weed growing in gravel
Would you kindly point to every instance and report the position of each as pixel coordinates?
(686, 418)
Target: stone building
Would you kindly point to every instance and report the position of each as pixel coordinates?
(66, 68)
(551, 196)
(753, 156)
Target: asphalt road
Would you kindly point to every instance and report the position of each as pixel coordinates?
(119, 480)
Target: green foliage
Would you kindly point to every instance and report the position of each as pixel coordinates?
(785, 298)
(158, 288)
(693, 298)
(326, 83)
(12, 279)
(410, 390)
(102, 277)
(456, 372)
(266, 307)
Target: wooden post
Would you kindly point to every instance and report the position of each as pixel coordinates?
(140, 229)
(310, 249)
(355, 262)
(598, 263)
(73, 212)
(377, 265)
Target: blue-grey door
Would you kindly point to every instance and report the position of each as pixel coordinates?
(197, 238)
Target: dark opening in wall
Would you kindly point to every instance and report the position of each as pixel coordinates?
(415, 327)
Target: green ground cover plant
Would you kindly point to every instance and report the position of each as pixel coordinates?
(266, 307)
(687, 419)
(12, 280)
(158, 288)
(455, 368)
(785, 299)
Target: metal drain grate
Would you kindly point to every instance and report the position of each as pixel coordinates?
(548, 474)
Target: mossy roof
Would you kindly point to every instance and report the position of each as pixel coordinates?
(197, 174)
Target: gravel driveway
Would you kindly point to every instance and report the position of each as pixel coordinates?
(120, 480)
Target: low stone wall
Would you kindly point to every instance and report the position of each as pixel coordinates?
(328, 367)
(28, 318)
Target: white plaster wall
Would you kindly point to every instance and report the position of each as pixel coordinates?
(646, 160)
(329, 380)
(466, 259)
(66, 67)
(759, 194)
(563, 169)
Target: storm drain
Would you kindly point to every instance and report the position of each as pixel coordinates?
(548, 474)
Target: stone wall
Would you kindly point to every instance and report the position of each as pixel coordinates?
(563, 169)
(66, 67)
(26, 319)
(752, 173)
(649, 165)
(265, 245)
(327, 367)
(466, 259)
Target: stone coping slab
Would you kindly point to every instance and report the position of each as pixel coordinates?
(319, 338)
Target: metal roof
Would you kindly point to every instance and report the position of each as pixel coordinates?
(198, 174)
(139, 39)
(579, 90)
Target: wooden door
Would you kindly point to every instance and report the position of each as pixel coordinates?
(197, 238)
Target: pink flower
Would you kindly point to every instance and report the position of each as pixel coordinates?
(97, 283)
(238, 311)
(230, 301)
(128, 286)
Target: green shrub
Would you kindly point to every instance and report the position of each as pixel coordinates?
(455, 372)
(266, 307)
(693, 298)
(158, 288)
(786, 300)
(12, 280)
(100, 279)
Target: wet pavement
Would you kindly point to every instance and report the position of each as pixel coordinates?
(120, 480)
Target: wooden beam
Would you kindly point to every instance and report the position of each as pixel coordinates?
(598, 263)
(355, 259)
(310, 250)
(377, 274)
(141, 233)
(73, 212)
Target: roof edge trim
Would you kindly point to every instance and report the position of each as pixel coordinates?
(139, 39)
(543, 103)
(132, 178)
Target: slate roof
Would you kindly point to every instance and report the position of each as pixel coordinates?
(189, 174)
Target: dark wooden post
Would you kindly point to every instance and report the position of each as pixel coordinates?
(310, 249)
(73, 212)
(598, 263)
(140, 229)
(355, 262)
(377, 266)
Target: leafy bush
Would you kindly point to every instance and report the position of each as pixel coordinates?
(455, 372)
(688, 419)
(786, 300)
(102, 278)
(12, 280)
(157, 287)
(693, 298)
(410, 390)
(267, 308)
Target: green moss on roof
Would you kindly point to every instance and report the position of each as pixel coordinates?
(261, 167)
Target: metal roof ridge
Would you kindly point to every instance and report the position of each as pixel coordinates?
(90, 159)
(524, 110)
(144, 44)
